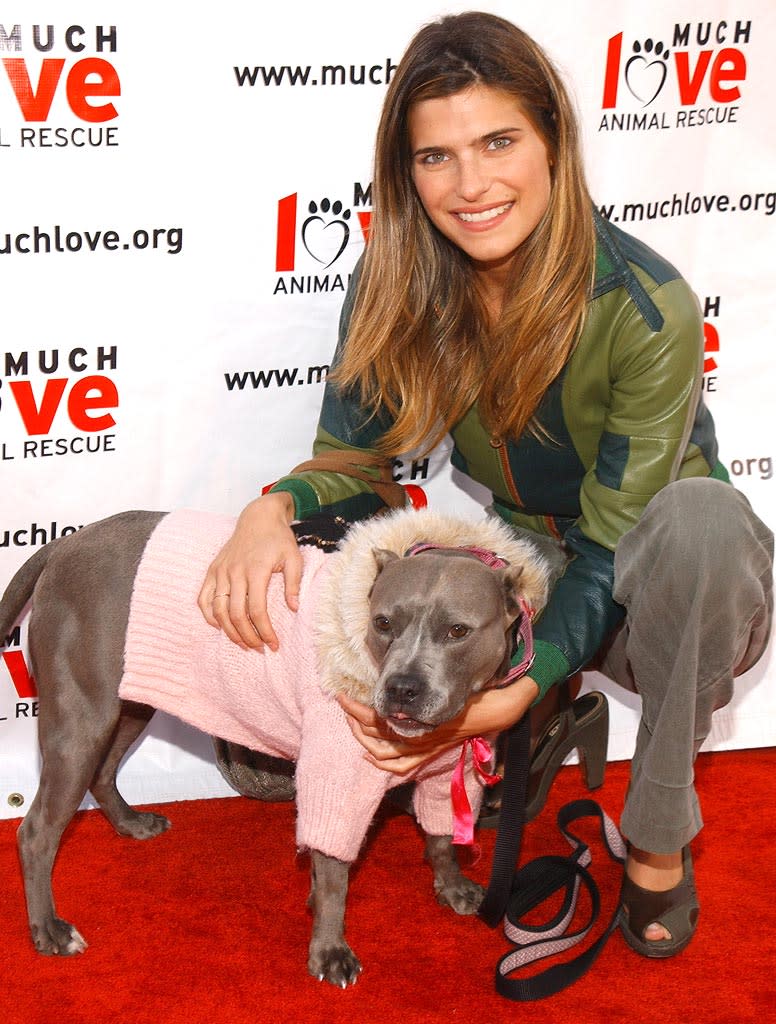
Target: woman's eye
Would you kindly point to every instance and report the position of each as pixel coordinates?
(433, 159)
(502, 143)
(458, 631)
(382, 624)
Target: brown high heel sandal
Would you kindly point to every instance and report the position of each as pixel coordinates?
(675, 909)
(582, 724)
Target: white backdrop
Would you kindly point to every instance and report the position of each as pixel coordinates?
(185, 192)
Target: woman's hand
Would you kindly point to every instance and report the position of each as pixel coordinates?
(234, 593)
(490, 711)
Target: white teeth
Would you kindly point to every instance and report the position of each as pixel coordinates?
(474, 218)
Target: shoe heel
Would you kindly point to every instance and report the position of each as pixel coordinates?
(592, 740)
(584, 726)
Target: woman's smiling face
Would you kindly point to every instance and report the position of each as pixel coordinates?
(481, 171)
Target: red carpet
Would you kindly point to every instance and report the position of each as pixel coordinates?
(208, 923)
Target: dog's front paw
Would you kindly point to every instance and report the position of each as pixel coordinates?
(57, 938)
(463, 895)
(336, 964)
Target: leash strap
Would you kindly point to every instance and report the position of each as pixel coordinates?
(512, 894)
(524, 633)
(533, 884)
(511, 822)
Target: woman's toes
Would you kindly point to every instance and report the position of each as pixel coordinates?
(656, 933)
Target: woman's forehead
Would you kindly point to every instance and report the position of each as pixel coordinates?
(464, 116)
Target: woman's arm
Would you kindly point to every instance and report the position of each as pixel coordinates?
(234, 593)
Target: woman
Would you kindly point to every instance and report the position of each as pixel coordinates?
(564, 358)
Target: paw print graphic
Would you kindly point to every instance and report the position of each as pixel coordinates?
(646, 70)
(326, 232)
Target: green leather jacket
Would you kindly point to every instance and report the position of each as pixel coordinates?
(626, 417)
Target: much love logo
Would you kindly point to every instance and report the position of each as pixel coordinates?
(59, 89)
(715, 72)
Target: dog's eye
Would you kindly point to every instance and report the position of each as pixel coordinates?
(458, 631)
(382, 624)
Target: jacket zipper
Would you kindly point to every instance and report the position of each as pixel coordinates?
(501, 448)
(506, 469)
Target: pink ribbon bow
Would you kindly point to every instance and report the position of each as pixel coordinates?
(463, 819)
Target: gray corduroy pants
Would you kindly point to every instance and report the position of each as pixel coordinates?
(695, 576)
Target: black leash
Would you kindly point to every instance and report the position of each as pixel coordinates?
(509, 837)
(512, 893)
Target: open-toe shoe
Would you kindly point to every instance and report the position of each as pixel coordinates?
(676, 910)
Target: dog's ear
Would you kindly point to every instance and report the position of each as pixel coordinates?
(510, 581)
(382, 557)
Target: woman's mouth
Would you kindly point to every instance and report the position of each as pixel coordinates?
(483, 216)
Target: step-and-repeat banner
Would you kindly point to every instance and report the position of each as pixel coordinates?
(185, 192)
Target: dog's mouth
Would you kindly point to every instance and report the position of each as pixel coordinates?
(403, 725)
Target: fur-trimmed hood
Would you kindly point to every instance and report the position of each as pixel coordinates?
(343, 615)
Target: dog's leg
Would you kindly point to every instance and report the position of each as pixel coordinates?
(452, 888)
(77, 630)
(125, 819)
(331, 958)
(71, 754)
(38, 838)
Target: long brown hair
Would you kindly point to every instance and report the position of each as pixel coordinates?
(420, 346)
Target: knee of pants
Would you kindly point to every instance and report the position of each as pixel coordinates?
(703, 521)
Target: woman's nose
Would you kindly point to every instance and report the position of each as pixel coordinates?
(473, 181)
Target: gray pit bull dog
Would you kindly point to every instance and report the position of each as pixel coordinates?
(115, 633)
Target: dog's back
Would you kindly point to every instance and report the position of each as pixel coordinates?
(176, 662)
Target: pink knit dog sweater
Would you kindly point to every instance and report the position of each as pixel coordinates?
(268, 701)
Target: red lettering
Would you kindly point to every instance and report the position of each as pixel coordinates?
(690, 84)
(611, 78)
(78, 89)
(34, 106)
(286, 233)
(38, 420)
(88, 393)
(94, 392)
(416, 495)
(710, 344)
(729, 66)
(89, 77)
(365, 220)
(23, 682)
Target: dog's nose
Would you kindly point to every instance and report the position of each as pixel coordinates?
(403, 689)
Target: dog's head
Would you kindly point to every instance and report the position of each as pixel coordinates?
(440, 628)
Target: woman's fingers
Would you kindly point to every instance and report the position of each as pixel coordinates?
(390, 755)
(233, 596)
(362, 713)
